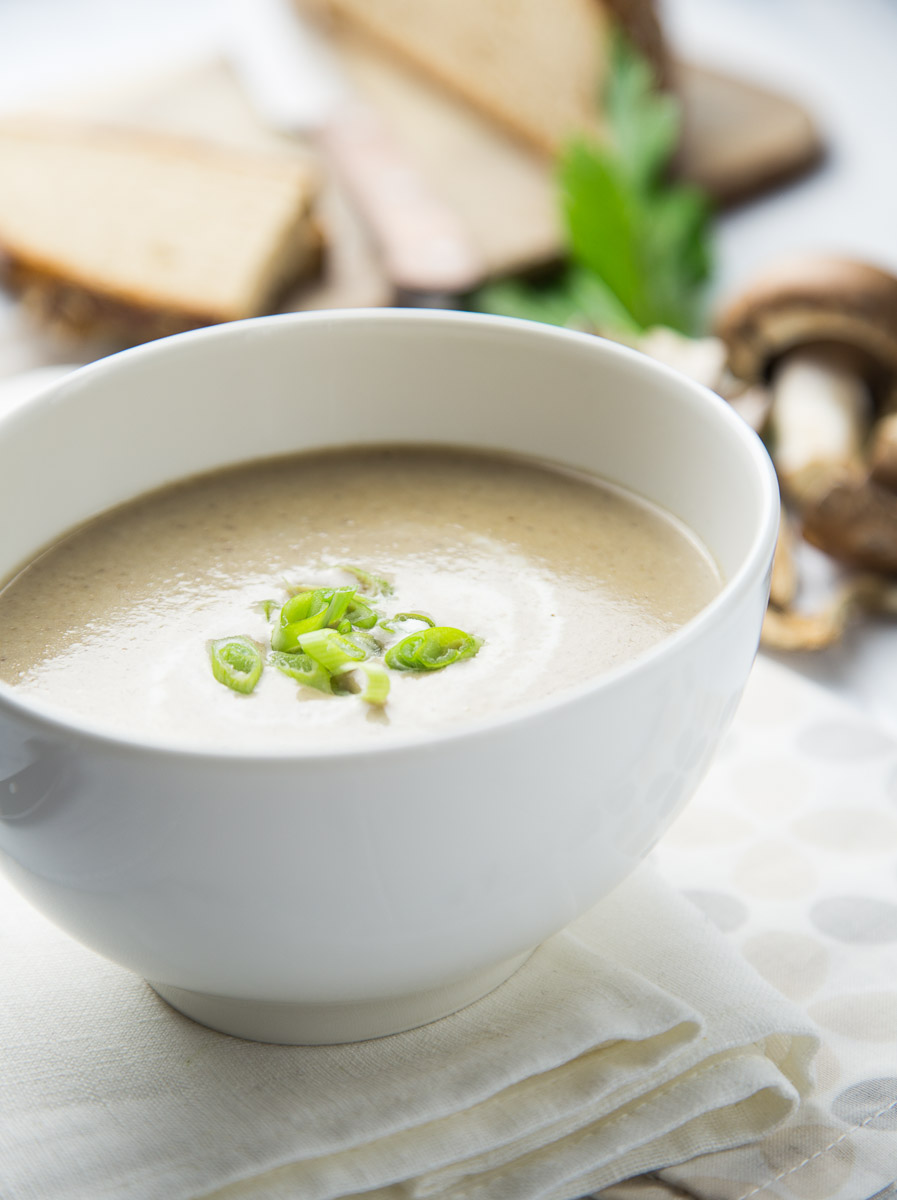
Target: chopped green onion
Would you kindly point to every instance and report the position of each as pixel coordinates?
(322, 634)
(372, 583)
(303, 605)
(376, 681)
(303, 669)
(361, 615)
(308, 611)
(340, 601)
(236, 662)
(369, 644)
(331, 649)
(302, 613)
(389, 624)
(286, 639)
(432, 649)
(329, 604)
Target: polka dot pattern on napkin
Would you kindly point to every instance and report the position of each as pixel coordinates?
(790, 848)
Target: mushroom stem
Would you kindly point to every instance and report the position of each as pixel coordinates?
(821, 414)
(783, 582)
(883, 452)
(855, 520)
(791, 630)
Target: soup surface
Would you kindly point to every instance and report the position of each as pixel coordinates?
(561, 576)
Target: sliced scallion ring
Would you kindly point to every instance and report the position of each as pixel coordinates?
(303, 605)
(340, 600)
(390, 622)
(287, 637)
(303, 669)
(331, 649)
(371, 583)
(236, 662)
(308, 611)
(376, 681)
(361, 615)
(432, 649)
(366, 642)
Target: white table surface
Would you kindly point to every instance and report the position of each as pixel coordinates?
(839, 57)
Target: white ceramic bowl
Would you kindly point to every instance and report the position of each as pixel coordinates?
(326, 897)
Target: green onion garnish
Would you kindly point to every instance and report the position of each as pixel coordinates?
(390, 622)
(340, 601)
(323, 633)
(364, 641)
(308, 611)
(303, 669)
(432, 649)
(361, 615)
(286, 638)
(371, 583)
(302, 613)
(303, 605)
(326, 605)
(376, 681)
(331, 649)
(236, 662)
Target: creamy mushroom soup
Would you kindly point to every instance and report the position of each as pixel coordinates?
(551, 575)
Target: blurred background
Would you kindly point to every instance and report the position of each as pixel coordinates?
(836, 57)
(788, 109)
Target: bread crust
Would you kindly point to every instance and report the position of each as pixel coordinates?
(78, 311)
(129, 304)
(637, 18)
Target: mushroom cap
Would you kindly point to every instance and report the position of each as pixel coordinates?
(812, 300)
(854, 520)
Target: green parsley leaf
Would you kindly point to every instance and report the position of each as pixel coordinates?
(577, 300)
(638, 245)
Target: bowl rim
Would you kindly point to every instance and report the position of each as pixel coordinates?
(66, 722)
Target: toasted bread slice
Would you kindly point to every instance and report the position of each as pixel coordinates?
(134, 235)
(535, 66)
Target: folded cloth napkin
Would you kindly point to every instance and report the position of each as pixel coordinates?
(633, 1040)
(790, 847)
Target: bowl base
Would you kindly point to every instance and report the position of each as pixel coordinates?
(329, 1024)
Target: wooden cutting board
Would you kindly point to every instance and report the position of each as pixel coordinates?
(739, 140)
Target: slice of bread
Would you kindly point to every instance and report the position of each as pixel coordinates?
(132, 235)
(535, 66)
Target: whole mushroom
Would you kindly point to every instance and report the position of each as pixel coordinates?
(823, 332)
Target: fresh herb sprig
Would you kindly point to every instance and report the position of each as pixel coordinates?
(638, 244)
(322, 636)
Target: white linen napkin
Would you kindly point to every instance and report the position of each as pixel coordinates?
(633, 1040)
(790, 847)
